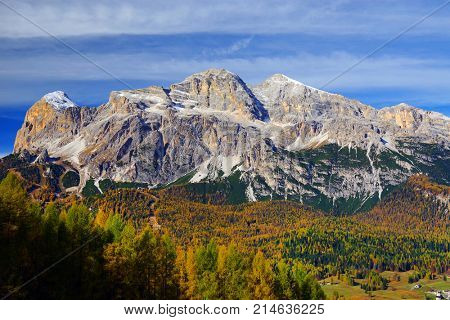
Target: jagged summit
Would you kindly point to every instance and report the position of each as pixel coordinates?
(59, 100)
(425, 123)
(282, 80)
(279, 77)
(220, 90)
(291, 101)
(404, 105)
(407, 108)
(215, 72)
(282, 86)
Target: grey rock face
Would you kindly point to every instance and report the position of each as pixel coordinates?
(218, 90)
(283, 138)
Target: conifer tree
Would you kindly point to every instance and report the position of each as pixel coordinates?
(261, 278)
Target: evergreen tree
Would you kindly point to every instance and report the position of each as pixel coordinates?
(234, 274)
(261, 279)
(206, 266)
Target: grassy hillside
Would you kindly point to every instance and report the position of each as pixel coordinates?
(398, 288)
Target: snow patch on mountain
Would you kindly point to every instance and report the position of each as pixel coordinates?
(250, 193)
(315, 142)
(281, 78)
(59, 100)
(72, 150)
(202, 172)
(228, 163)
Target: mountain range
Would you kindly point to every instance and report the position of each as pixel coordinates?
(212, 132)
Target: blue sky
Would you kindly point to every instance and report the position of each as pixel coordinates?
(161, 42)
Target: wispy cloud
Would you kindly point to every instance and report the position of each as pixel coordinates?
(233, 48)
(382, 71)
(86, 17)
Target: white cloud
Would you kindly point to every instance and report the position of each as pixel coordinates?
(235, 47)
(82, 17)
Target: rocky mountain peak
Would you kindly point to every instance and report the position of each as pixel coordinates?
(54, 115)
(409, 117)
(215, 73)
(218, 90)
(404, 105)
(281, 78)
(59, 100)
(279, 87)
(288, 100)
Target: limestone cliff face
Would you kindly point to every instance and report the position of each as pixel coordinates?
(218, 90)
(404, 116)
(424, 123)
(282, 138)
(51, 119)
